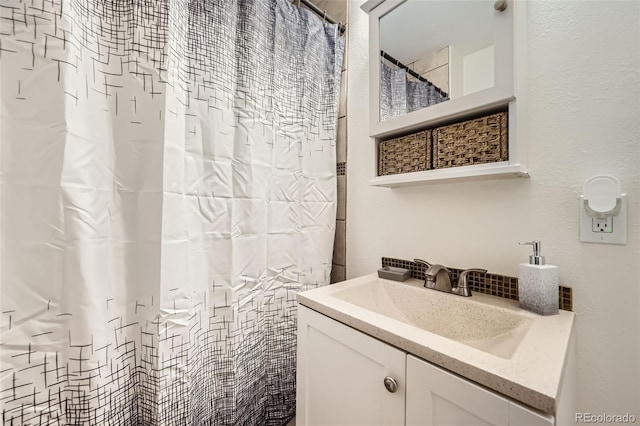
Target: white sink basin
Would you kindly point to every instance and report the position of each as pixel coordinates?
(492, 329)
(486, 339)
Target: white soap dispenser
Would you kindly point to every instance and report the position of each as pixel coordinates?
(538, 283)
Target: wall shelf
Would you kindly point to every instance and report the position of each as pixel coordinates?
(476, 172)
(508, 93)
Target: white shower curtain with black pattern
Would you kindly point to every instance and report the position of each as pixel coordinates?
(401, 93)
(167, 186)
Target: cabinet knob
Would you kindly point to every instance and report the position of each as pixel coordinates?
(500, 5)
(391, 384)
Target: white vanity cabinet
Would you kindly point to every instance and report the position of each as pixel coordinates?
(341, 372)
(341, 381)
(436, 397)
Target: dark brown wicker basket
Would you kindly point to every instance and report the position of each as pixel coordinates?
(483, 140)
(410, 153)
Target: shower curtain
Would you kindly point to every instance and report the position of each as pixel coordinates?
(399, 95)
(167, 186)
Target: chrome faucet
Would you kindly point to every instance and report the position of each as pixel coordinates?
(438, 277)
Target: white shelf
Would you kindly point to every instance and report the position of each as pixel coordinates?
(456, 109)
(477, 172)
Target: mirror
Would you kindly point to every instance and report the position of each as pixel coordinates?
(435, 51)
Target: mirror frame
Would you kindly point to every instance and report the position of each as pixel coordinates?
(500, 95)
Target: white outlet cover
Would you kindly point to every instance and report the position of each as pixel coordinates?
(604, 224)
(618, 222)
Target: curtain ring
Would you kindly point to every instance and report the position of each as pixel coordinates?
(298, 3)
(324, 16)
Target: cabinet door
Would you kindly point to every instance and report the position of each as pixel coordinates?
(522, 416)
(438, 398)
(341, 375)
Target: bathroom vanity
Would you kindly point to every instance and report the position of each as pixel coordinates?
(379, 352)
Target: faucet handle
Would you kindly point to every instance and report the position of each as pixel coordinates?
(464, 275)
(422, 262)
(480, 270)
(463, 280)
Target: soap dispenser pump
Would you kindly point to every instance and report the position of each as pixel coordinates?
(538, 283)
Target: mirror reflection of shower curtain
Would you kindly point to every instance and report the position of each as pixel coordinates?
(401, 94)
(167, 186)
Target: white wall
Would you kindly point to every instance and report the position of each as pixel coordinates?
(478, 71)
(583, 90)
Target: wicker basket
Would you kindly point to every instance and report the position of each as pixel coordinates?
(410, 153)
(483, 140)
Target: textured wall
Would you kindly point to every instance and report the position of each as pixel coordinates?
(583, 90)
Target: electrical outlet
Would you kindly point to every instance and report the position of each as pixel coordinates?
(602, 224)
(607, 230)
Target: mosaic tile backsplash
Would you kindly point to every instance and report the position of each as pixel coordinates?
(493, 284)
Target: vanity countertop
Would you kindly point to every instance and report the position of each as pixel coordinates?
(530, 374)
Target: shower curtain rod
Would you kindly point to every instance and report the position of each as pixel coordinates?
(323, 13)
(411, 72)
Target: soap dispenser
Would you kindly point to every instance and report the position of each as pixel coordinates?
(538, 283)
